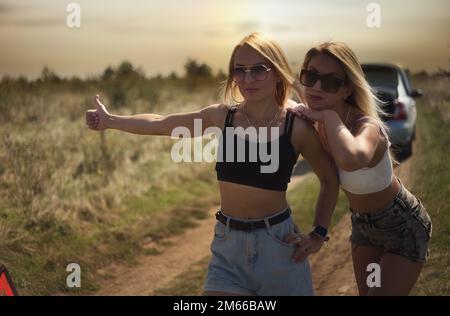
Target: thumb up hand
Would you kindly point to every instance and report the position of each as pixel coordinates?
(97, 119)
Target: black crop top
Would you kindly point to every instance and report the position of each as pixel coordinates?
(249, 172)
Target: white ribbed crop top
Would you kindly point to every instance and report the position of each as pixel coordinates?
(369, 180)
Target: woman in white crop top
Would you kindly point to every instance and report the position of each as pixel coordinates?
(390, 226)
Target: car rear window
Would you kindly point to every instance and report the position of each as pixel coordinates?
(381, 77)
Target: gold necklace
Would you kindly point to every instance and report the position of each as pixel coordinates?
(348, 112)
(248, 120)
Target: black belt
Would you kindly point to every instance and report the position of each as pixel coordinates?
(251, 225)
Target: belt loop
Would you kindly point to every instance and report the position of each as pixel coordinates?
(289, 208)
(228, 224)
(268, 227)
(218, 213)
(399, 201)
(364, 217)
(401, 192)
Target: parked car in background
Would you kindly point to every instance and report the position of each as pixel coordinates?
(391, 83)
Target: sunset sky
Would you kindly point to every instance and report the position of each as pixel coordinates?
(160, 36)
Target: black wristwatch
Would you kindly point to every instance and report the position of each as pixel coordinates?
(321, 232)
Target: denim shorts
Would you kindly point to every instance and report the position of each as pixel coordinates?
(257, 262)
(403, 228)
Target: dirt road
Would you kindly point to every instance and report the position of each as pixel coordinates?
(331, 268)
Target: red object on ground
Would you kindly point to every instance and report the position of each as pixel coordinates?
(6, 284)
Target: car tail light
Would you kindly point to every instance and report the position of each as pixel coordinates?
(400, 111)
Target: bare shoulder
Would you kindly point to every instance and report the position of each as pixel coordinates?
(302, 126)
(371, 133)
(303, 132)
(218, 113)
(362, 122)
(216, 108)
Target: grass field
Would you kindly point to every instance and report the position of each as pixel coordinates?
(68, 194)
(431, 181)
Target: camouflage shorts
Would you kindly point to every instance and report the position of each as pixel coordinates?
(403, 228)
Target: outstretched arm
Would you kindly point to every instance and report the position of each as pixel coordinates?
(148, 124)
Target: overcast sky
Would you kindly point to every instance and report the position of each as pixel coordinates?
(159, 36)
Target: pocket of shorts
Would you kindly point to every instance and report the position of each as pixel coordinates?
(393, 221)
(280, 231)
(422, 216)
(220, 231)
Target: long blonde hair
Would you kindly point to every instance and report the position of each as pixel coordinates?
(271, 51)
(362, 96)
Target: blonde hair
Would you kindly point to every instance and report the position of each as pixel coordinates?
(271, 51)
(362, 96)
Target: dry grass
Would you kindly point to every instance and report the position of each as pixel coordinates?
(431, 181)
(68, 194)
(436, 93)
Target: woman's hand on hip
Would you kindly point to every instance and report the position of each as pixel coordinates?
(306, 245)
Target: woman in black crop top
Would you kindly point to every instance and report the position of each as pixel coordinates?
(250, 255)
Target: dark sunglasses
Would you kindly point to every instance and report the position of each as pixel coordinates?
(329, 82)
(257, 72)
